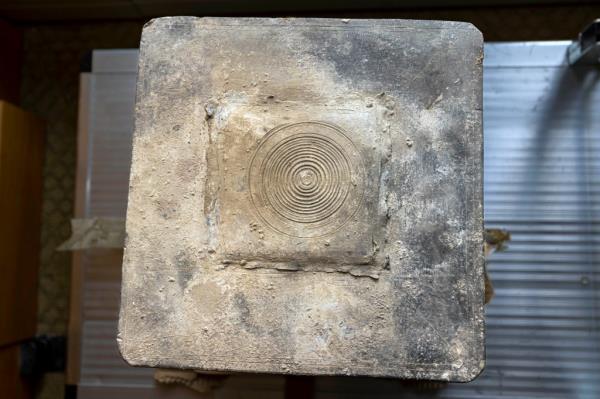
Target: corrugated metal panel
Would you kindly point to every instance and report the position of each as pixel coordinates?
(542, 183)
(111, 101)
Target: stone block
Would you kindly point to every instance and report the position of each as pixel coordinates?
(306, 197)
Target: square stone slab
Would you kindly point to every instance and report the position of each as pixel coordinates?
(306, 197)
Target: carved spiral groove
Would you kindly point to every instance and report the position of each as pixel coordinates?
(306, 179)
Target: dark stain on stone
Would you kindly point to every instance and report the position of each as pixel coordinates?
(366, 60)
(427, 347)
(431, 247)
(244, 314)
(185, 268)
(165, 208)
(178, 27)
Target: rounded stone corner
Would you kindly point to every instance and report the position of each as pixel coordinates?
(150, 24)
(478, 35)
(125, 352)
(471, 372)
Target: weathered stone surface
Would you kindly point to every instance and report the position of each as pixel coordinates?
(306, 197)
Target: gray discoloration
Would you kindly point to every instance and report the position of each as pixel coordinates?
(217, 276)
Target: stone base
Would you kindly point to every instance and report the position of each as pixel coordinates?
(306, 197)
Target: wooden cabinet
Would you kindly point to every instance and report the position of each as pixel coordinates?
(21, 153)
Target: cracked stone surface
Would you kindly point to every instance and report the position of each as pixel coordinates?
(306, 197)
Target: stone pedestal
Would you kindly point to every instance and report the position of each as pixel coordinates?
(306, 197)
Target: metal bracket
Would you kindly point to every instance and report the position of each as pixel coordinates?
(586, 49)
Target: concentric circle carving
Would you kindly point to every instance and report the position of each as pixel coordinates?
(306, 179)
